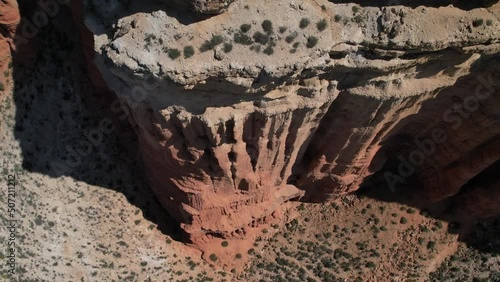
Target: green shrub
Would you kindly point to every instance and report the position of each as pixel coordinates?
(210, 44)
(439, 224)
(290, 38)
(337, 18)
(255, 48)
(431, 245)
(188, 51)
(304, 22)
(370, 264)
(323, 7)
(238, 256)
(282, 29)
(174, 54)
(261, 38)
(403, 220)
(224, 244)
(242, 39)
(213, 257)
(311, 41)
(2, 87)
(269, 51)
(477, 22)
(321, 25)
(355, 9)
(489, 22)
(267, 26)
(228, 47)
(245, 28)
(424, 229)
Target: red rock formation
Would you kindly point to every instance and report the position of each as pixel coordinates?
(229, 138)
(9, 19)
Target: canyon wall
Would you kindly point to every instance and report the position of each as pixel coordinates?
(241, 114)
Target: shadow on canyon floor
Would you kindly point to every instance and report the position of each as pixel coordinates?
(461, 4)
(482, 234)
(59, 121)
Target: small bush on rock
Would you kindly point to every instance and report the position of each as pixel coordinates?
(243, 39)
(304, 22)
(228, 47)
(267, 26)
(173, 54)
(213, 257)
(261, 38)
(321, 25)
(210, 44)
(245, 28)
(477, 22)
(311, 41)
(290, 38)
(188, 51)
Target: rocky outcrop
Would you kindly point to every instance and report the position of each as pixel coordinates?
(239, 114)
(9, 19)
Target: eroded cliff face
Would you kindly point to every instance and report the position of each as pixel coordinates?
(253, 118)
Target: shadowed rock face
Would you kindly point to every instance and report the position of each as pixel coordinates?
(229, 138)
